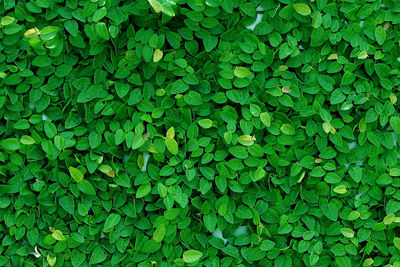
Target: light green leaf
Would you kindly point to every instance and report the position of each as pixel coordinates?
(396, 242)
(205, 123)
(172, 146)
(159, 233)
(395, 124)
(241, 72)
(6, 20)
(27, 140)
(48, 33)
(157, 56)
(58, 235)
(76, 174)
(191, 256)
(164, 6)
(302, 9)
(246, 140)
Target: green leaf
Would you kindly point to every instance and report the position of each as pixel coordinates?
(210, 221)
(347, 232)
(256, 254)
(179, 87)
(6, 20)
(193, 98)
(243, 212)
(326, 82)
(241, 72)
(67, 203)
(164, 6)
(50, 129)
(94, 140)
(288, 129)
(328, 153)
(205, 123)
(27, 140)
(172, 146)
(102, 31)
(355, 173)
(58, 235)
(246, 140)
(98, 255)
(11, 144)
(396, 242)
(192, 255)
(210, 42)
(302, 9)
(76, 174)
(87, 188)
(170, 133)
(380, 35)
(159, 233)
(99, 14)
(123, 179)
(143, 190)
(239, 152)
(49, 33)
(157, 56)
(107, 170)
(265, 119)
(112, 220)
(395, 124)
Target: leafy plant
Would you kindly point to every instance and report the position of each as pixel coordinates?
(199, 133)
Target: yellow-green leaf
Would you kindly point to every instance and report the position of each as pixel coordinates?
(302, 9)
(164, 7)
(205, 123)
(192, 255)
(326, 126)
(6, 20)
(368, 262)
(27, 140)
(396, 242)
(394, 172)
(172, 146)
(362, 55)
(76, 174)
(31, 33)
(170, 133)
(246, 140)
(347, 232)
(341, 189)
(265, 119)
(389, 219)
(51, 260)
(157, 56)
(58, 235)
(107, 170)
(156, 5)
(241, 72)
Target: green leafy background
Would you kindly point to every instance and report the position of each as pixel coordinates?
(172, 133)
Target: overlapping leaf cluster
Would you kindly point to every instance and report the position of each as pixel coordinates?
(162, 132)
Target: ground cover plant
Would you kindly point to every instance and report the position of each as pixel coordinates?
(199, 133)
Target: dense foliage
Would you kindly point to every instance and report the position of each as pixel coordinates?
(191, 132)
